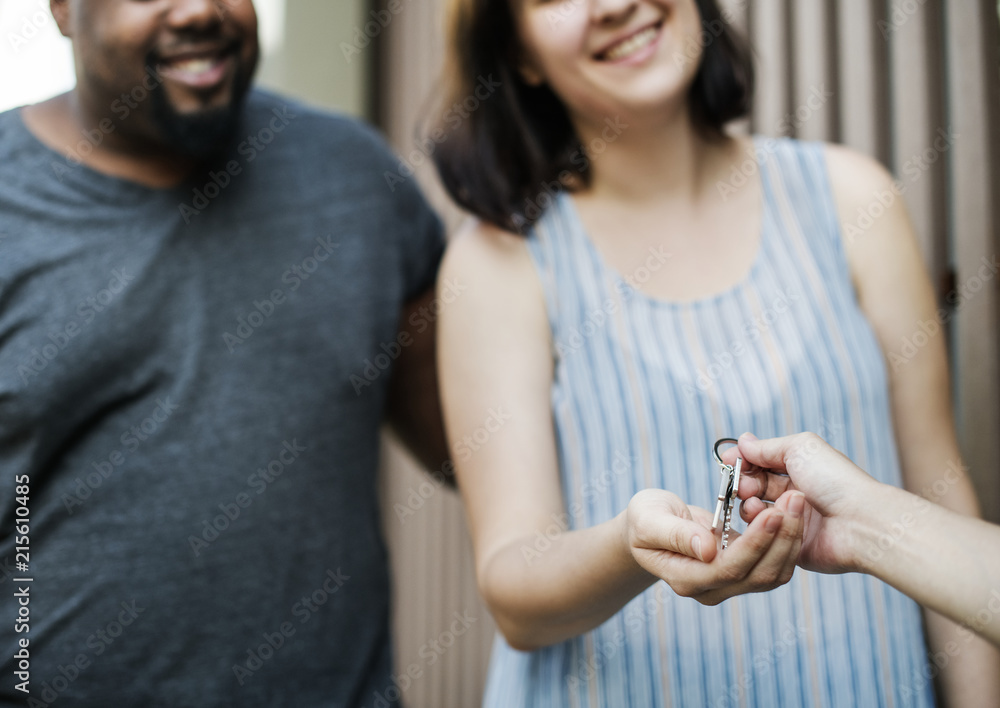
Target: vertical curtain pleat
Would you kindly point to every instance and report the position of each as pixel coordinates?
(863, 80)
(430, 551)
(973, 106)
(771, 39)
(917, 110)
(813, 72)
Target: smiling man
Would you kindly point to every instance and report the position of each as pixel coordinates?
(192, 273)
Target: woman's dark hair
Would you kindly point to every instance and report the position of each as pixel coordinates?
(506, 146)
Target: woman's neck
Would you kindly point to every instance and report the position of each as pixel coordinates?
(646, 161)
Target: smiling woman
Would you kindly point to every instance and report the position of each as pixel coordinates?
(583, 618)
(532, 141)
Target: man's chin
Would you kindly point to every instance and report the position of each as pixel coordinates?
(201, 133)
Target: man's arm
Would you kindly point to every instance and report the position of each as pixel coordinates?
(413, 405)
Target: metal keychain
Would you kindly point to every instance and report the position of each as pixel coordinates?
(729, 487)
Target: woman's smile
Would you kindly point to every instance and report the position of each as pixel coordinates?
(635, 47)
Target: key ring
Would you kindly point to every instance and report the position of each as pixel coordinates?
(723, 441)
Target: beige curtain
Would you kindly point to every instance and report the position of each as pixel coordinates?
(889, 78)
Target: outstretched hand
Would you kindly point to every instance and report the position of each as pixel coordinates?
(675, 542)
(833, 487)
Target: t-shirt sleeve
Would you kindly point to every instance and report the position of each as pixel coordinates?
(421, 240)
(413, 230)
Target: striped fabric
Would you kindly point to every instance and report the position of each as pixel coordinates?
(642, 390)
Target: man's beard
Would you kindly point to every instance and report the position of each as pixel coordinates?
(204, 134)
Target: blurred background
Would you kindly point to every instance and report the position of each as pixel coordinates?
(887, 77)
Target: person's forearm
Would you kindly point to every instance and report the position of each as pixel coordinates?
(545, 589)
(967, 667)
(944, 560)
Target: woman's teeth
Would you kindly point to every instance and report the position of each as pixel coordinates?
(631, 45)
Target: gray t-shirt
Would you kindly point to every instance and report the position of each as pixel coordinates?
(179, 382)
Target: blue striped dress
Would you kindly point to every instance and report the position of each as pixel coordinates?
(643, 388)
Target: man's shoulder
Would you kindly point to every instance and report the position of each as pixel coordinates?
(13, 134)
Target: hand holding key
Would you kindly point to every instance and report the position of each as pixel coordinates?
(943, 560)
(674, 541)
(801, 464)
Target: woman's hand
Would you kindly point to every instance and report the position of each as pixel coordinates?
(836, 493)
(675, 542)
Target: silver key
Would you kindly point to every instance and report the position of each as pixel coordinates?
(729, 488)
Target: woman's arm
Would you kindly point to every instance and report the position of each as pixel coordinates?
(545, 584)
(895, 293)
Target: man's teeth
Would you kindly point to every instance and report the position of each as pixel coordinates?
(632, 44)
(194, 66)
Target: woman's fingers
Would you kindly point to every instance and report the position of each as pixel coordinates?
(661, 522)
(675, 543)
(762, 558)
(777, 565)
(731, 566)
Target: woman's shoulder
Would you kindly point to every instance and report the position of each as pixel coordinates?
(855, 176)
(495, 260)
(499, 284)
(479, 246)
